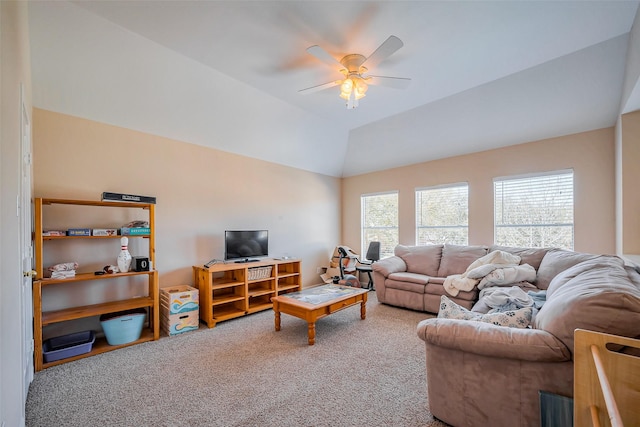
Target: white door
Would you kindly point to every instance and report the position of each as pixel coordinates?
(26, 245)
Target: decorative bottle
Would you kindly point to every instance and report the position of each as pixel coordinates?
(124, 257)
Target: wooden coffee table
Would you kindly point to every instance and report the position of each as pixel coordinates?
(317, 302)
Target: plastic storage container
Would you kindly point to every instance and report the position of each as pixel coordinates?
(67, 345)
(124, 326)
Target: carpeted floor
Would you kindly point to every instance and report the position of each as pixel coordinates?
(242, 373)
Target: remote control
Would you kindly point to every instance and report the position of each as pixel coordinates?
(210, 263)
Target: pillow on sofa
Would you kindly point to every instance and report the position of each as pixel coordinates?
(531, 256)
(512, 318)
(556, 261)
(420, 259)
(456, 258)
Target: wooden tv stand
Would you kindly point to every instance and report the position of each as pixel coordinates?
(230, 290)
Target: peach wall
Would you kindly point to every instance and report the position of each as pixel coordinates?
(630, 179)
(200, 192)
(589, 154)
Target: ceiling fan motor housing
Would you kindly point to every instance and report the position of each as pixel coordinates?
(353, 62)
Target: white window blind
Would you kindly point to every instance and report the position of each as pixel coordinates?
(442, 215)
(379, 219)
(534, 211)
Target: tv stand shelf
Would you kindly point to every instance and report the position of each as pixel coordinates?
(226, 292)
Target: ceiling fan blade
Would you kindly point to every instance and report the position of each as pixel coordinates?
(393, 82)
(317, 88)
(385, 50)
(325, 57)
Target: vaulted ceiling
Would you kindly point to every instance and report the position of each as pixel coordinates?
(226, 74)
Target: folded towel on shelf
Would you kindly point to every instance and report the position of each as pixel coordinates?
(63, 274)
(65, 266)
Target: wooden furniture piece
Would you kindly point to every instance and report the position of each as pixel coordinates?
(606, 383)
(229, 290)
(42, 319)
(317, 302)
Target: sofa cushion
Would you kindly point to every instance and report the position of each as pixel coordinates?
(410, 277)
(456, 259)
(511, 318)
(556, 261)
(597, 295)
(601, 261)
(402, 285)
(420, 259)
(531, 256)
(389, 265)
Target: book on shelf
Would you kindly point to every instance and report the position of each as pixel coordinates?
(105, 232)
(54, 233)
(120, 197)
(135, 231)
(79, 232)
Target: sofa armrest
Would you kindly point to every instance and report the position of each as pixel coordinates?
(495, 341)
(387, 266)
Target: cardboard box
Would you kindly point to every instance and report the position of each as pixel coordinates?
(178, 300)
(179, 323)
(328, 276)
(54, 233)
(79, 232)
(105, 231)
(135, 231)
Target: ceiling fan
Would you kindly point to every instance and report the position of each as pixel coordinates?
(354, 68)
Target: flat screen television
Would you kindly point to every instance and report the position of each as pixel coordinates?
(246, 245)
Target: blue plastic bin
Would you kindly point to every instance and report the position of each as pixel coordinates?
(123, 327)
(67, 345)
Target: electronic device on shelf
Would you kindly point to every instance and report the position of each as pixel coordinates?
(210, 263)
(246, 245)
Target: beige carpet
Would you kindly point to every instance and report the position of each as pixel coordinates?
(242, 373)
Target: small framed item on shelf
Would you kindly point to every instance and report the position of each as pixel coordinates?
(140, 263)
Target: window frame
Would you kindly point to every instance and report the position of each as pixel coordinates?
(554, 173)
(418, 227)
(364, 242)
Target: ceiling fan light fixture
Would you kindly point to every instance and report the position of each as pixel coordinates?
(352, 89)
(346, 86)
(352, 66)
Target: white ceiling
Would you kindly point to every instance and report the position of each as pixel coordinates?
(226, 74)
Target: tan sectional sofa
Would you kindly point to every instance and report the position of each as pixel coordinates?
(481, 374)
(413, 278)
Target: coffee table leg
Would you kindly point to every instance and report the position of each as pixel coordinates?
(312, 333)
(277, 318)
(363, 309)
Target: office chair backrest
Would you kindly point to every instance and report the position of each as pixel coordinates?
(373, 252)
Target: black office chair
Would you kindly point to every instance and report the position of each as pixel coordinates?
(364, 266)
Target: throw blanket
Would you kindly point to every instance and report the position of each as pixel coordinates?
(479, 268)
(500, 299)
(507, 275)
(503, 299)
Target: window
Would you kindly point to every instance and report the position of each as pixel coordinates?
(442, 215)
(380, 222)
(534, 211)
